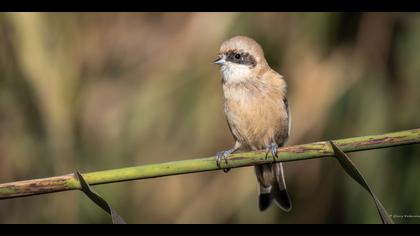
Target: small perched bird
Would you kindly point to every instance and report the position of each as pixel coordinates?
(257, 112)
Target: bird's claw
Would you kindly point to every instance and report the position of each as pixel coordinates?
(273, 149)
(223, 155)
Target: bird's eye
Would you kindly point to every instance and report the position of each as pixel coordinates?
(237, 56)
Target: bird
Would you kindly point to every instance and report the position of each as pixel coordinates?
(257, 113)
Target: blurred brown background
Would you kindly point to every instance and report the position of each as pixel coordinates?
(102, 91)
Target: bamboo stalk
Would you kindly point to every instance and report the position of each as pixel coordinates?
(292, 153)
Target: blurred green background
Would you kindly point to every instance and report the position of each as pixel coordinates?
(100, 91)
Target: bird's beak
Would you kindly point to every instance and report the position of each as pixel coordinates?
(220, 60)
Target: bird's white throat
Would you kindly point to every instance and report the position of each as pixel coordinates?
(234, 73)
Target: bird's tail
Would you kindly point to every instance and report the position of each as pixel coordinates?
(272, 186)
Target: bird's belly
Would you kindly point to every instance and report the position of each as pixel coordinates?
(257, 124)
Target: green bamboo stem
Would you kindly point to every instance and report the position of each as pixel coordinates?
(292, 153)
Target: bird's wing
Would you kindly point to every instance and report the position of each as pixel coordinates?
(283, 93)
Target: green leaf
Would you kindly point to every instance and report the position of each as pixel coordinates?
(96, 198)
(351, 170)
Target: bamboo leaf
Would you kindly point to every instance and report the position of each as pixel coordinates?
(351, 170)
(98, 200)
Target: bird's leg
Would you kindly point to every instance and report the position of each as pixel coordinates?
(224, 155)
(273, 149)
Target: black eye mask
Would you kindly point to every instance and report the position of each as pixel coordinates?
(242, 58)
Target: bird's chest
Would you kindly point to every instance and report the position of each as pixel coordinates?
(254, 115)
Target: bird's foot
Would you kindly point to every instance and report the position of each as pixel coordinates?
(273, 149)
(224, 155)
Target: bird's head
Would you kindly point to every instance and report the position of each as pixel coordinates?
(240, 58)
